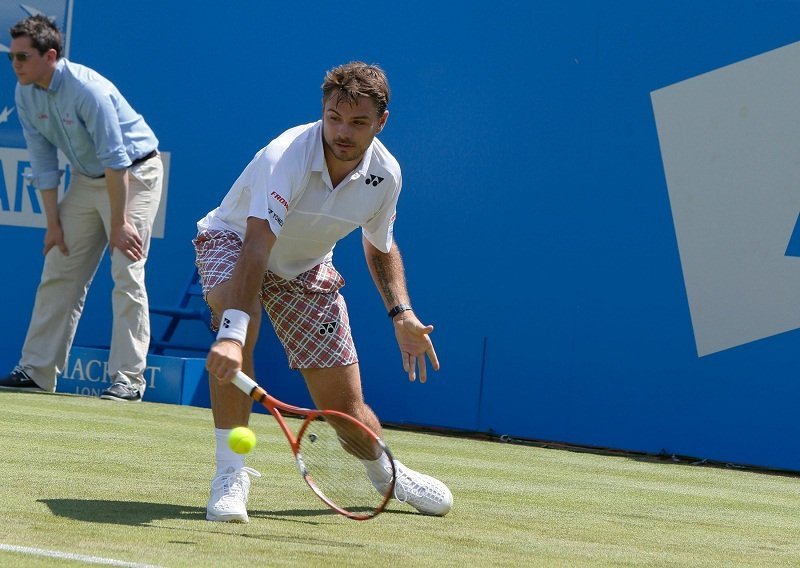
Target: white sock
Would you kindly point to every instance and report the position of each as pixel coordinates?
(226, 457)
(377, 469)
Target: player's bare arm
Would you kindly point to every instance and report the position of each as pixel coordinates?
(241, 292)
(124, 235)
(413, 337)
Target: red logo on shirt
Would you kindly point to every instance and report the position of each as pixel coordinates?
(280, 199)
(43, 117)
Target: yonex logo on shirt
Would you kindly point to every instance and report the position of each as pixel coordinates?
(278, 218)
(374, 180)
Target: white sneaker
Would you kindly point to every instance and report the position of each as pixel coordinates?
(426, 494)
(229, 491)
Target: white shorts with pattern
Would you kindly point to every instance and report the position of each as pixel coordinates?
(308, 313)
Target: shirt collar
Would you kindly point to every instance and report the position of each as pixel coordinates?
(318, 162)
(58, 75)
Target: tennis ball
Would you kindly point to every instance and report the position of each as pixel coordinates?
(242, 440)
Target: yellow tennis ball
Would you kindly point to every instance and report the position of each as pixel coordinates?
(242, 440)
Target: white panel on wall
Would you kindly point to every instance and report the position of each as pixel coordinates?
(731, 153)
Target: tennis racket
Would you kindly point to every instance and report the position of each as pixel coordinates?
(329, 448)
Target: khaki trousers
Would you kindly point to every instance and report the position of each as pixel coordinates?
(85, 216)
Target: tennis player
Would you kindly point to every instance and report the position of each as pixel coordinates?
(270, 243)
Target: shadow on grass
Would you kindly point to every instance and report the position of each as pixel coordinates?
(120, 512)
(137, 513)
(145, 514)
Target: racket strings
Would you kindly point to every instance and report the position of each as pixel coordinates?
(360, 446)
(334, 461)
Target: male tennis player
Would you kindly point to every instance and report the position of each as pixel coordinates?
(271, 243)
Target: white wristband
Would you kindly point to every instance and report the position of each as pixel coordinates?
(233, 326)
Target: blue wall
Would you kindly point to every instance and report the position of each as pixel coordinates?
(535, 219)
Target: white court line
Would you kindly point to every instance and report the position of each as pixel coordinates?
(71, 556)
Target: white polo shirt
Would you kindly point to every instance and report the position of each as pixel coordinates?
(287, 183)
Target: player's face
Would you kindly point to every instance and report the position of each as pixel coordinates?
(348, 130)
(36, 68)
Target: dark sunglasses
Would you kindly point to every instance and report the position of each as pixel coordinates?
(21, 56)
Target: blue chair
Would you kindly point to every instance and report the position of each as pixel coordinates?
(191, 306)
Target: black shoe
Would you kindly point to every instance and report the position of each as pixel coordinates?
(122, 392)
(19, 379)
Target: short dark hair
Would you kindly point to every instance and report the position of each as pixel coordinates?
(43, 32)
(357, 79)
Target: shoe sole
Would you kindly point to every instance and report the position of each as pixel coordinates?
(117, 399)
(227, 518)
(32, 388)
(438, 513)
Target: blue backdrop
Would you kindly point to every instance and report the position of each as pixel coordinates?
(535, 220)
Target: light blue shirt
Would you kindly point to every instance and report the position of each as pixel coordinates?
(84, 115)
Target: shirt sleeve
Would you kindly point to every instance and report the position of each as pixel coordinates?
(272, 184)
(43, 155)
(98, 108)
(379, 229)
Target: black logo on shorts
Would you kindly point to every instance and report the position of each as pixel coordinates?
(374, 180)
(328, 328)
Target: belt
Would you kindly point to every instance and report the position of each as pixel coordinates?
(144, 158)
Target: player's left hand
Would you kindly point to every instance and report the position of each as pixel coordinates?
(126, 238)
(415, 343)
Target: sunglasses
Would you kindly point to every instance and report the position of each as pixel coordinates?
(21, 56)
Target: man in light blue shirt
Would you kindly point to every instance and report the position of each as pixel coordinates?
(112, 200)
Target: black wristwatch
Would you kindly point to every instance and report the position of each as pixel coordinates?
(399, 308)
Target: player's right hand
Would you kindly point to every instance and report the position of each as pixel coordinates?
(224, 360)
(126, 238)
(54, 237)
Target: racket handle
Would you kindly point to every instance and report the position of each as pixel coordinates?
(244, 383)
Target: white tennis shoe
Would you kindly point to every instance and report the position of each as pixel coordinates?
(426, 494)
(229, 492)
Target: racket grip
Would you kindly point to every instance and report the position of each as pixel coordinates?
(244, 383)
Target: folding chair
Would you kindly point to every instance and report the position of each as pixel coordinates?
(190, 307)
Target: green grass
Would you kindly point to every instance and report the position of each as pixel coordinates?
(130, 482)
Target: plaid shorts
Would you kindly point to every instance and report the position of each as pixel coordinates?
(307, 313)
